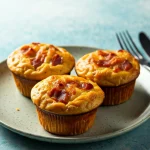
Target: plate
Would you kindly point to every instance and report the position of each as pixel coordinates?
(110, 121)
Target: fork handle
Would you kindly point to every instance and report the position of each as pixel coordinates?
(148, 64)
(146, 67)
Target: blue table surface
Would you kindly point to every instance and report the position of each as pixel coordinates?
(68, 22)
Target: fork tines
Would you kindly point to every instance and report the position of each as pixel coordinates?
(127, 43)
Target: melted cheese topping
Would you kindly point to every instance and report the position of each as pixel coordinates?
(82, 95)
(108, 68)
(37, 61)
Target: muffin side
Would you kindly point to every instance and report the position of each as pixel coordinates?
(66, 124)
(24, 85)
(118, 94)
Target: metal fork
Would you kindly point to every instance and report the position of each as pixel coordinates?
(126, 42)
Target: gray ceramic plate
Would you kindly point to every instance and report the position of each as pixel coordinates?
(110, 121)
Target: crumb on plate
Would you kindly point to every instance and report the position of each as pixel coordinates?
(17, 109)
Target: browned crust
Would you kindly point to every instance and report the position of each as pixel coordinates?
(21, 65)
(80, 102)
(106, 76)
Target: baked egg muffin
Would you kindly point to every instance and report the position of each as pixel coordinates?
(66, 105)
(114, 71)
(34, 62)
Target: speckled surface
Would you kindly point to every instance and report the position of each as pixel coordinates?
(66, 22)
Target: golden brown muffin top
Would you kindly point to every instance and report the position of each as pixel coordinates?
(64, 94)
(37, 61)
(108, 68)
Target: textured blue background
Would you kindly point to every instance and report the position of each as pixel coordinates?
(72, 22)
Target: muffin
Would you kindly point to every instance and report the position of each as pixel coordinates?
(34, 62)
(114, 71)
(66, 105)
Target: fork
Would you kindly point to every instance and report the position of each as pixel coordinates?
(126, 42)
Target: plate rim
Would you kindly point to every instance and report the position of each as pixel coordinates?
(76, 140)
(72, 139)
